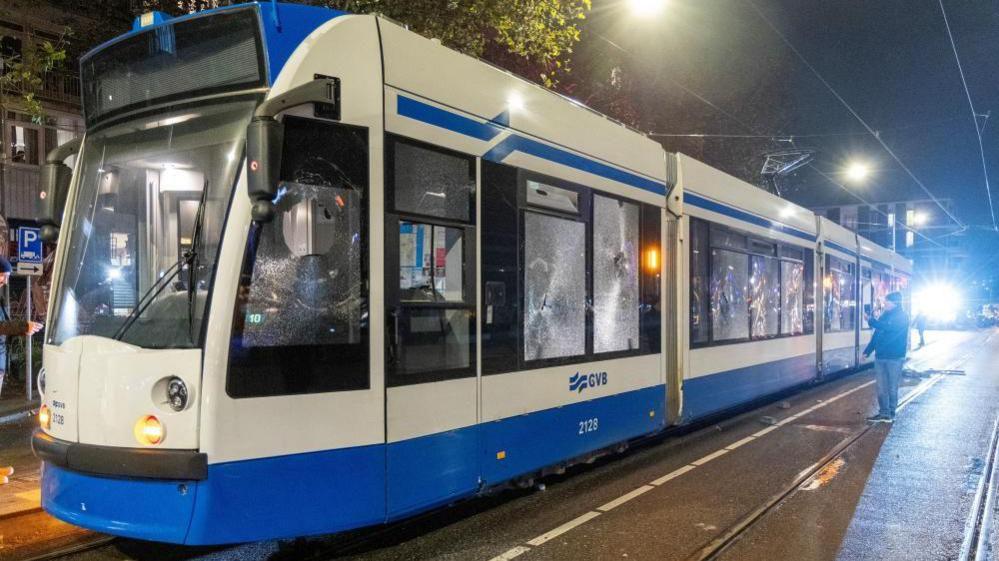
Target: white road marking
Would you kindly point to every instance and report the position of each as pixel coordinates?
(508, 555)
(739, 443)
(580, 520)
(625, 498)
(672, 475)
(767, 430)
(552, 534)
(710, 457)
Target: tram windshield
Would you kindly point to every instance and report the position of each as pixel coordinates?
(145, 225)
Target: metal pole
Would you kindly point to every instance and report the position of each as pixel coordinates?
(27, 349)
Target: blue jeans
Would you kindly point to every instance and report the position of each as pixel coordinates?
(888, 373)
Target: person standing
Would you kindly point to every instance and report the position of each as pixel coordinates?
(921, 327)
(8, 327)
(889, 345)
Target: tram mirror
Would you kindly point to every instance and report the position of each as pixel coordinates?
(54, 187)
(265, 139)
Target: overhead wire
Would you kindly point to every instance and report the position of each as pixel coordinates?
(856, 115)
(974, 114)
(752, 129)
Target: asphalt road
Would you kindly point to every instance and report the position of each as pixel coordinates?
(898, 492)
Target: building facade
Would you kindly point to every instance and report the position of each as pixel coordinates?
(25, 140)
(917, 229)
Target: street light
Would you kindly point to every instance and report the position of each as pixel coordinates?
(857, 171)
(646, 8)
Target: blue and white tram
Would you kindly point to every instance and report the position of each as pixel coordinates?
(316, 272)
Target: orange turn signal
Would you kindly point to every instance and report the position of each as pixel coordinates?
(652, 260)
(45, 417)
(149, 431)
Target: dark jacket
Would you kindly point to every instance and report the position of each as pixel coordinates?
(891, 335)
(8, 327)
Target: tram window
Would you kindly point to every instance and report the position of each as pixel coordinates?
(431, 340)
(652, 270)
(501, 285)
(809, 292)
(792, 298)
(840, 295)
(724, 237)
(615, 275)
(764, 298)
(431, 263)
(554, 287)
(548, 196)
(431, 181)
(301, 321)
(699, 281)
(866, 293)
(729, 295)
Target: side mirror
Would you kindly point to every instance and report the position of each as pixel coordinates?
(54, 183)
(265, 140)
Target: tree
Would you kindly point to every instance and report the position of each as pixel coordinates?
(24, 65)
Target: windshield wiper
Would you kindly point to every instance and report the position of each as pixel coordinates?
(148, 297)
(193, 257)
(190, 258)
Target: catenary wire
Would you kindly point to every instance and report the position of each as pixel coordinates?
(855, 114)
(753, 129)
(974, 114)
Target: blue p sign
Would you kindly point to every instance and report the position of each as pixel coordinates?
(29, 245)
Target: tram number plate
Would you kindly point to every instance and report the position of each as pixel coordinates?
(589, 425)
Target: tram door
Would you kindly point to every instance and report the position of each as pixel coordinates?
(431, 395)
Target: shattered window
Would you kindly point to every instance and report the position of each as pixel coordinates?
(615, 275)
(555, 287)
(729, 295)
(698, 281)
(432, 182)
(301, 321)
(764, 301)
(793, 297)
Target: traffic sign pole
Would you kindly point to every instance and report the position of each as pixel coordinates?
(27, 346)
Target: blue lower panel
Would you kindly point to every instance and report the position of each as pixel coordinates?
(286, 496)
(336, 490)
(430, 470)
(705, 395)
(149, 510)
(835, 360)
(518, 445)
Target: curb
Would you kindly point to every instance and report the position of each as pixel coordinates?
(16, 415)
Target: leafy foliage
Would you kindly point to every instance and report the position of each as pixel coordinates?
(22, 73)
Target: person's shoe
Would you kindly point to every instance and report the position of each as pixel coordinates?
(877, 418)
(886, 419)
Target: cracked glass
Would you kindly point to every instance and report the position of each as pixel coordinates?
(555, 287)
(615, 275)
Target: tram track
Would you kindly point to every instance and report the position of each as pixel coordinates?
(975, 546)
(720, 544)
(62, 540)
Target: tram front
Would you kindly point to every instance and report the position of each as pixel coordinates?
(167, 110)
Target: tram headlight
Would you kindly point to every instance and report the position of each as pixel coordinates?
(177, 394)
(45, 417)
(149, 431)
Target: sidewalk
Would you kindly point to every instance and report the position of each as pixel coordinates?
(17, 421)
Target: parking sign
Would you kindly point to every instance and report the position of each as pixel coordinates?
(29, 251)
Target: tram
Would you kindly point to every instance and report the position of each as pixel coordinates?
(316, 272)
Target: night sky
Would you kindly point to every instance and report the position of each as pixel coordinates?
(717, 67)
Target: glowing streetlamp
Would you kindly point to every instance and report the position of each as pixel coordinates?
(646, 8)
(857, 171)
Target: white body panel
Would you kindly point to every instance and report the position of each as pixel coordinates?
(508, 395)
(237, 429)
(418, 65)
(734, 203)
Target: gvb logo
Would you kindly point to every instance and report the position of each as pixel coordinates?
(579, 382)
